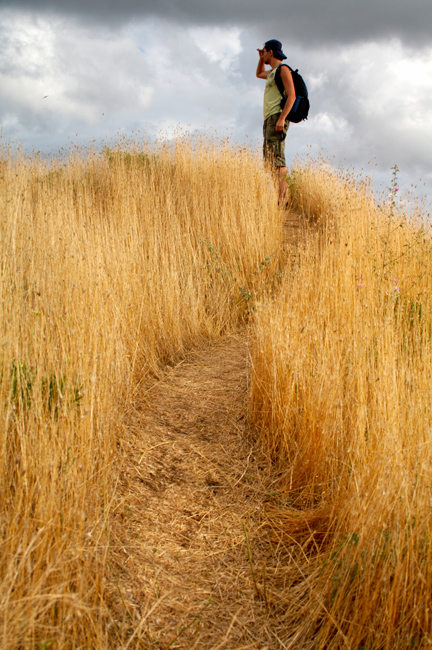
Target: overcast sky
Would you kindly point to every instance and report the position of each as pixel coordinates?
(92, 69)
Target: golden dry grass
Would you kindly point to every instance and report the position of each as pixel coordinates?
(341, 392)
(112, 264)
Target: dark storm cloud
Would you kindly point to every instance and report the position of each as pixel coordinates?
(307, 21)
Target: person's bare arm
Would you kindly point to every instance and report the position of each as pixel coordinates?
(288, 83)
(261, 72)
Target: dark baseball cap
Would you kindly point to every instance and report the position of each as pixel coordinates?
(276, 46)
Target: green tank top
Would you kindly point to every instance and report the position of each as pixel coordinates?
(272, 96)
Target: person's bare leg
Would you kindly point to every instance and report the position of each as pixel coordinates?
(282, 185)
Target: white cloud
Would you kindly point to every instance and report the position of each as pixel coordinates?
(220, 45)
(316, 81)
(331, 125)
(394, 81)
(145, 96)
(52, 72)
(27, 43)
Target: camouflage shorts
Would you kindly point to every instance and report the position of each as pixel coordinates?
(274, 141)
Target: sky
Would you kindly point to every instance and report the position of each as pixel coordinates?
(95, 70)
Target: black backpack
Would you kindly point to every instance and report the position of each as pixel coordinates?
(300, 108)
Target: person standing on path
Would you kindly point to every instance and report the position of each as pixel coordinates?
(275, 122)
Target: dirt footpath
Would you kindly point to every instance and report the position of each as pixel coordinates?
(195, 568)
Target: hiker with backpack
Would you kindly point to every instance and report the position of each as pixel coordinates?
(282, 104)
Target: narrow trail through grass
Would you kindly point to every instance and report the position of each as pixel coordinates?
(195, 567)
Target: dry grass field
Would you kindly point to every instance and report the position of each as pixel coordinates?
(308, 468)
(341, 392)
(113, 264)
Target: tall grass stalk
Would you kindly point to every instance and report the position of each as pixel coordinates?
(112, 264)
(341, 392)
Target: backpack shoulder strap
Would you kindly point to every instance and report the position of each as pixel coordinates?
(278, 80)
